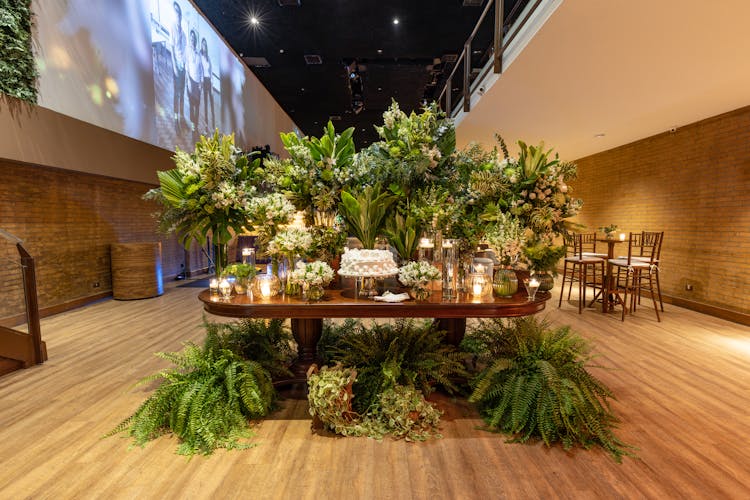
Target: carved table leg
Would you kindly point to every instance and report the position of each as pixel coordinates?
(455, 328)
(307, 333)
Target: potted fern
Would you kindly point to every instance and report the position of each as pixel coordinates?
(533, 382)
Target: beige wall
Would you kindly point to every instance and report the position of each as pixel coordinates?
(693, 185)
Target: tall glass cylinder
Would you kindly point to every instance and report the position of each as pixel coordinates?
(450, 269)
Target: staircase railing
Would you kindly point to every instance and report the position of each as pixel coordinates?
(25, 347)
(503, 26)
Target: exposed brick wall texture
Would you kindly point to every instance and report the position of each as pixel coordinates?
(693, 185)
(67, 221)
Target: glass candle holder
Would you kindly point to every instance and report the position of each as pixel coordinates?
(213, 285)
(225, 289)
(248, 256)
(426, 250)
(450, 269)
(266, 286)
(532, 285)
(479, 285)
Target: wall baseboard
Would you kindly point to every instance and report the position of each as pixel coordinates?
(719, 312)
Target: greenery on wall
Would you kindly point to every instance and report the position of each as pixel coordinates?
(18, 71)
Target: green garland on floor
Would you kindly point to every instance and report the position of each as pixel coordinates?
(18, 72)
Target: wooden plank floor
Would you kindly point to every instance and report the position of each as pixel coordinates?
(683, 390)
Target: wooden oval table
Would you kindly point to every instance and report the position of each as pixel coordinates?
(307, 317)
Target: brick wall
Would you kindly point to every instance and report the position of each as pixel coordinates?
(67, 221)
(693, 184)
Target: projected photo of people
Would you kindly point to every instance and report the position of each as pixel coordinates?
(186, 52)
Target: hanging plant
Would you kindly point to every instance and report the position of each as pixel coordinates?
(18, 72)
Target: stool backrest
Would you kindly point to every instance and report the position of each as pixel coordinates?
(646, 245)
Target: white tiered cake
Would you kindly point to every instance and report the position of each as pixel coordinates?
(368, 264)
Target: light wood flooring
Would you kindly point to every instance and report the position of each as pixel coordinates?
(683, 388)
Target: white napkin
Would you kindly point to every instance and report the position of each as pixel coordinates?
(392, 297)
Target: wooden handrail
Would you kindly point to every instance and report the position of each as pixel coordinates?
(35, 353)
(32, 302)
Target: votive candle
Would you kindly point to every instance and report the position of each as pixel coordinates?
(213, 285)
(622, 236)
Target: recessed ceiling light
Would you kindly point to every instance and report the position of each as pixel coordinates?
(599, 136)
(281, 51)
(302, 89)
(380, 89)
(380, 51)
(254, 21)
(395, 20)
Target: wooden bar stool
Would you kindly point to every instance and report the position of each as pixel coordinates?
(579, 269)
(637, 273)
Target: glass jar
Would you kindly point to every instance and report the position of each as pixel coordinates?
(505, 283)
(266, 286)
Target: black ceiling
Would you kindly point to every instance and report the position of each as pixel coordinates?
(343, 31)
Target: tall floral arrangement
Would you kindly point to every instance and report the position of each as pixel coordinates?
(315, 172)
(266, 214)
(209, 192)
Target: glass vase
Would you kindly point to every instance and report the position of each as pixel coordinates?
(420, 293)
(545, 279)
(450, 268)
(505, 283)
(312, 293)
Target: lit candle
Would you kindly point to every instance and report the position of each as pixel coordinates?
(622, 236)
(213, 285)
(426, 243)
(265, 289)
(477, 289)
(533, 283)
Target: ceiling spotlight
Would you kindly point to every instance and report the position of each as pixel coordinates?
(254, 21)
(395, 20)
(281, 51)
(380, 51)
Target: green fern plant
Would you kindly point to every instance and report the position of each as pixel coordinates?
(535, 383)
(405, 352)
(205, 400)
(267, 342)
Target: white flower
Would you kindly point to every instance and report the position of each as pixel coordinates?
(417, 274)
(316, 273)
(293, 240)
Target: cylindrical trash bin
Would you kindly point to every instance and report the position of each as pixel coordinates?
(136, 270)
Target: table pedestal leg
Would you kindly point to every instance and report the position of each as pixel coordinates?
(307, 333)
(455, 328)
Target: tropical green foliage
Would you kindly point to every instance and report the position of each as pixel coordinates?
(205, 400)
(365, 214)
(534, 382)
(267, 342)
(239, 270)
(18, 72)
(404, 352)
(542, 257)
(317, 169)
(402, 232)
(208, 191)
(400, 411)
